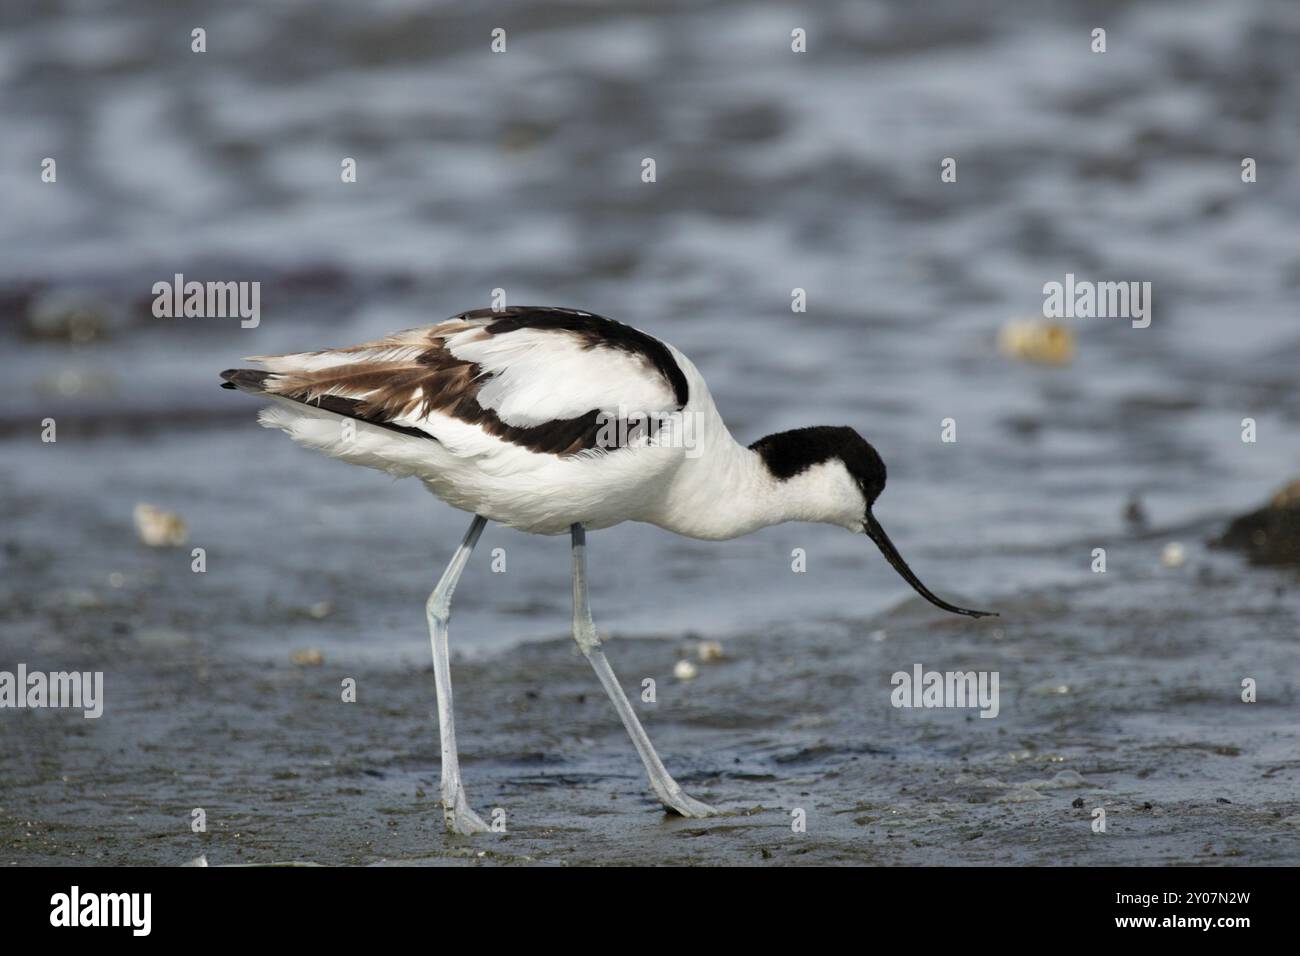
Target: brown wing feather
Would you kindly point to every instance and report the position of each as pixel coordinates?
(412, 374)
(406, 375)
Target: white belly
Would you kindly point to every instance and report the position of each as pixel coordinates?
(596, 491)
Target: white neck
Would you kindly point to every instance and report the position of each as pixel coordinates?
(725, 490)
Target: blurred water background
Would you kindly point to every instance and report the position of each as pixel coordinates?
(522, 171)
(776, 171)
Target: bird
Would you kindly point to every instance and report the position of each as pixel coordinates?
(557, 421)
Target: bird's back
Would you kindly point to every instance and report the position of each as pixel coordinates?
(528, 415)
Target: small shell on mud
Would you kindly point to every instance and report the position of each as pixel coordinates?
(307, 657)
(685, 670)
(1173, 555)
(709, 651)
(1034, 340)
(158, 528)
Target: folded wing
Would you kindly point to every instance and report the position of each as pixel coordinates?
(542, 379)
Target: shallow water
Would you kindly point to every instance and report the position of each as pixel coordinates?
(775, 171)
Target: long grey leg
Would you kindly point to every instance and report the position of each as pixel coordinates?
(665, 787)
(456, 812)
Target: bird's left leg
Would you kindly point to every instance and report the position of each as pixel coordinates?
(667, 789)
(457, 814)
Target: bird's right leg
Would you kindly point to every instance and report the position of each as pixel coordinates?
(668, 790)
(456, 812)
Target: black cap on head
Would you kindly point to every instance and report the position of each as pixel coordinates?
(786, 454)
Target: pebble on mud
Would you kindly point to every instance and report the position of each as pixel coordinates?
(158, 528)
(1033, 340)
(1269, 535)
(1173, 555)
(685, 670)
